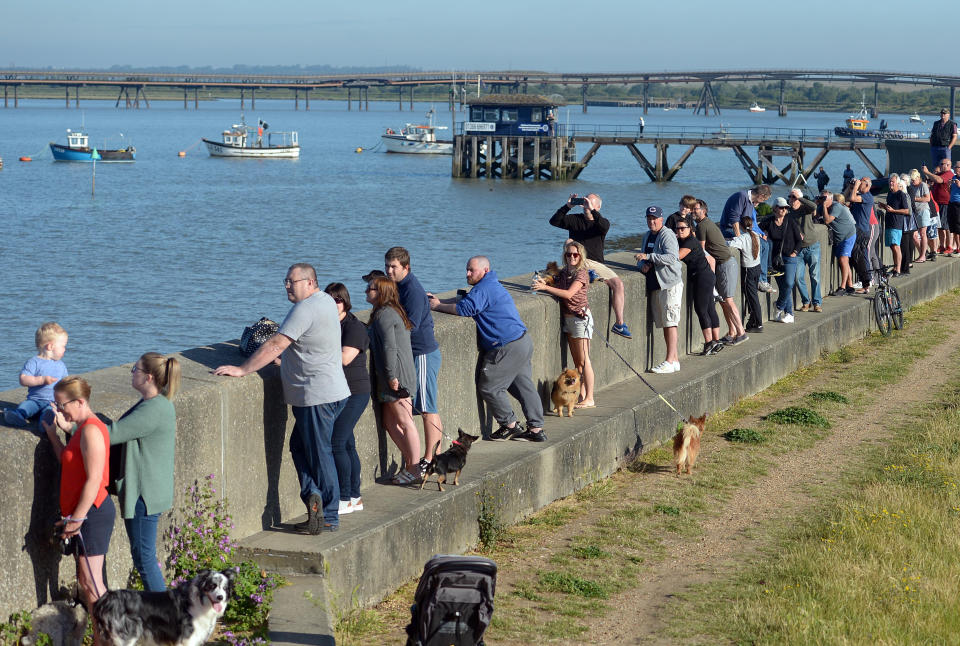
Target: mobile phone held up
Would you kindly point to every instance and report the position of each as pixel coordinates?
(578, 201)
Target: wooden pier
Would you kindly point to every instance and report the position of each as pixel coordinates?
(782, 154)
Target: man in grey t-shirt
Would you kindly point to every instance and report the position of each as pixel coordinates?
(311, 369)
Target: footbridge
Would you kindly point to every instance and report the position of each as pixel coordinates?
(460, 83)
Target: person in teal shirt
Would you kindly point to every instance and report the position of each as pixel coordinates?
(148, 434)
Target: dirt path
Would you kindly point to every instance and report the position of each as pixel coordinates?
(726, 537)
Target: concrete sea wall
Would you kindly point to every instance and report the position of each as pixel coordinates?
(238, 429)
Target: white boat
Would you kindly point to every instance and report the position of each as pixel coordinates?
(915, 118)
(756, 108)
(417, 139)
(242, 140)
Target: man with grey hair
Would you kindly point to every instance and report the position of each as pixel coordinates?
(506, 352)
(311, 370)
(897, 209)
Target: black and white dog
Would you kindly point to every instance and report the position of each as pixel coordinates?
(183, 616)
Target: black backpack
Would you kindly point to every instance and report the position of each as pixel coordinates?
(454, 601)
(254, 335)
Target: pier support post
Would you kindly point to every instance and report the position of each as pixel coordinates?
(196, 98)
(253, 98)
(184, 98)
(583, 95)
(76, 97)
(646, 91)
(953, 96)
(400, 98)
(366, 99)
(782, 110)
(349, 100)
(875, 111)
(706, 100)
(306, 95)
(4, 96)
(411, 98)
(241, 98)
(66, 94)
(16, 100)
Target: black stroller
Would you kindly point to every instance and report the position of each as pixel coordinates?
(454, 601)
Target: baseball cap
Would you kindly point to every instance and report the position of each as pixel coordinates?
(780, 201)
(373, 274)
(654, 212)
(944, 111)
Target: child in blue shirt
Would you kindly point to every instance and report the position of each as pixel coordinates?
(39, 375)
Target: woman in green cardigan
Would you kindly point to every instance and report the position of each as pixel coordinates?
(148, 433)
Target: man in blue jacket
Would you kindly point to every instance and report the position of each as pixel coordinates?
(506, 351)
(426, 350)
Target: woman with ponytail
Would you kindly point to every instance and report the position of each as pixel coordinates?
(147, 433)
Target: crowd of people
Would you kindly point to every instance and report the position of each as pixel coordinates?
(324, 350)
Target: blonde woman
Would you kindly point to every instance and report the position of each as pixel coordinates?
(570, 287)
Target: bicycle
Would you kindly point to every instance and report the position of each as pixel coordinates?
(887, 307)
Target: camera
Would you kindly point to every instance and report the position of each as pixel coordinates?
(578, 201)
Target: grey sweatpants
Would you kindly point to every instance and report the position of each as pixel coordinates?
(508, 369)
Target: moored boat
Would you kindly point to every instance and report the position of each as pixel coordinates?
(916, 118)
(860, 120)
(756, 108)
(240, 140)
(78, 149)
(417, 139)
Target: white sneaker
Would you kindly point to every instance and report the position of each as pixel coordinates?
(858, 285)
(778, 316)
(357, 504)
(786, 318)
(345, 507)
(666, 367)
(764, 286)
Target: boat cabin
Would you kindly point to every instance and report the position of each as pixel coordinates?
(77, 139)
(236, 136)
(526, 115)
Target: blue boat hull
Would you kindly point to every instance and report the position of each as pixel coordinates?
(64, 153)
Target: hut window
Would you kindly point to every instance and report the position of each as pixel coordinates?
(536, 115)
(491, 114)
(508, 114)
(476, 113)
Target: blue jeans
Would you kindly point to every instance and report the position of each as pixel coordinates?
(142, 533)
(809, 257)
(764, 259)
(312, 455)
(939, 153)
(785, 284)
(21, 416)
(344, 446)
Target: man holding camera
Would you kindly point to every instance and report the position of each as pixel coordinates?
(589, 228)
(860, 201)
(940, 191)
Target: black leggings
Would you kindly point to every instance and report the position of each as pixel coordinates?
(701, 285)
(751, 282)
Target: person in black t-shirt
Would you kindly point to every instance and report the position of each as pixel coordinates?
(701, 281)
(355, 341)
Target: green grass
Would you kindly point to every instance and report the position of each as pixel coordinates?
(828, 396)
(746, 436)
(800, 416)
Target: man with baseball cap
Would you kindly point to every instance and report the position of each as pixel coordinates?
(659, 261)
(942, 137)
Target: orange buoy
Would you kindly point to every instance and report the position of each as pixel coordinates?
(25, 159)
(182, 153)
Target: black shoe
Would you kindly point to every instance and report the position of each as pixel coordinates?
(753, 326)
(530, 436)
(716, 347)
(505, 433)
(707, 348)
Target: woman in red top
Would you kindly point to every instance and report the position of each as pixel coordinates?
(570, 287)
(88, 512)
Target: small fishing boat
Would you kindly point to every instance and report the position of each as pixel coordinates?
(915, 118)
(860, 120)
(78, 149)
(756, 108)
(417, 139)
(241, 140)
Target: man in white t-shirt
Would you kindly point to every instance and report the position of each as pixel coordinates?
(311, 369)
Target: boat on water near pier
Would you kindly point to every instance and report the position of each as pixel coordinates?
(240, 140)
(756, 108)
(417, 139)
(78, 149)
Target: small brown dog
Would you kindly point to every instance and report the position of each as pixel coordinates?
(566, 391)
(686, 443)
(549, 275)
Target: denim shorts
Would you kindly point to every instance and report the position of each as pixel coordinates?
(579, 328)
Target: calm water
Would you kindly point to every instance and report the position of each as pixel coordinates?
(172, 253)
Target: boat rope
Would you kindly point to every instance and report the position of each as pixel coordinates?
(370, 148)
(192, 146)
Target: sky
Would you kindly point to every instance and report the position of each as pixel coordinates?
(556, 36)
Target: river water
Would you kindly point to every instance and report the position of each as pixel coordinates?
(171, 253)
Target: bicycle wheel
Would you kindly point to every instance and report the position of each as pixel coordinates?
(896, 309)
(881, 310)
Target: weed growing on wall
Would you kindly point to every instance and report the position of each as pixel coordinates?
(202, 541)
(489, 520)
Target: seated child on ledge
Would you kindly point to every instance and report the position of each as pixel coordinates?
(39, 374)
